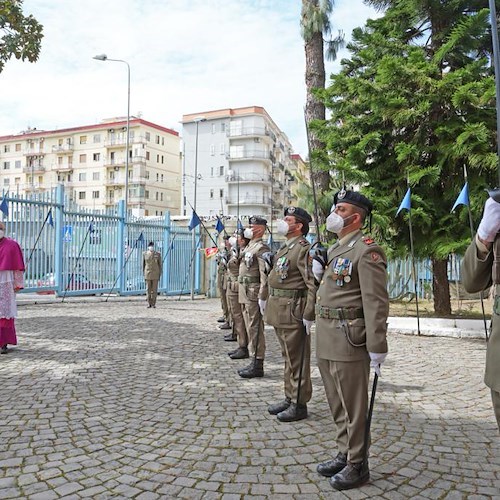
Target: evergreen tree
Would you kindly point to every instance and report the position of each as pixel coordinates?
(415, 103)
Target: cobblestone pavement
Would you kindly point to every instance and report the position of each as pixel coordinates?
(114, 400)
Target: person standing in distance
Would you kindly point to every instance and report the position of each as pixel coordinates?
(152, 268)
(352, 306)
(253, 293)
(11, 281)
(290, 310)
(480, 270)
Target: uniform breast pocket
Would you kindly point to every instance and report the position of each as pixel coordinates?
(356, 332)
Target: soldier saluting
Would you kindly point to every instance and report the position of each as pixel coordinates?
(352, 306)
(253, 293)
(290, 310)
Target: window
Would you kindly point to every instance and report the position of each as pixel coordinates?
(211, 194)
(131, 134)
(17, 181)
(221, 193)
(157, 139)
(222, 127)
(83, 139)
(148, 136)
(59, 160)
(157, 196)
(213, 128)
(146, 195)
(161, 197)
(6, 165)
(163, 141)
(18, 147)
(161, 177)
(157, 177)
(162, 158)
(6, 181)
(96, 176)
(96, 138)
(147, 174)
(96, 156)
(211, 171)
(83, 158)
(157, 158)
(222, 149)
(82, 176)
(17, 164)
(147, 155)
(221, 170)
(95, 194)
(6, 148)
(212, 149)
(81, 195)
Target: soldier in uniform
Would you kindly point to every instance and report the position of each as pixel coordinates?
(238, 245)
(151, 267)
(222, 258)
(290, 310)
(253, 293)
(352, 306)
(480, 270)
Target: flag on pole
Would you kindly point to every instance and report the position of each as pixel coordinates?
(50, 219)
(463, 197)
(406, 203)
(219, 227)
(140, 240)
(195, 221)
(4, 207)
(210, 252)
(91, 227)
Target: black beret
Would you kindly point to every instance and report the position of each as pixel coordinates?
(353, 198)
(495, 194)
(257, 221)
(151, 244)
(298, 213)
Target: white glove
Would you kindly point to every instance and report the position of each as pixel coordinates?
(490, 223)
(308, 323)
(377, 360)
(317, 269)
(262, 306)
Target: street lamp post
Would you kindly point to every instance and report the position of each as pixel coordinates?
(104, 57)
(197, 120)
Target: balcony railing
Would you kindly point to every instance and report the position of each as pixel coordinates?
(63, 148)
(252, 177)
(34, 152)
(255, 154)
(115, 182)
(248, 132)
(117, 162)
(249, 200)
(33, 169)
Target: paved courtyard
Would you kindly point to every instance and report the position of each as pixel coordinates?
(114, 400)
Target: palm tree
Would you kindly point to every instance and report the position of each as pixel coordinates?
(315, 25)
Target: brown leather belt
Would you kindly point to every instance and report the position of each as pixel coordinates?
(338, 313)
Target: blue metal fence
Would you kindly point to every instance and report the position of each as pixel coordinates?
(73, 251)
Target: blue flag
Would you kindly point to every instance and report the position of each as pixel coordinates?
(219, 227)
(463, 197)
(140, 240)
(406, 203)
(50, 219)
(195, 221)
(4, 207)
(239, 225)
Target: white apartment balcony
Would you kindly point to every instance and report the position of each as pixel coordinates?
(36, 187)
(254, 154)
(248, 132)
(138, 180)
(63, 148)
(253, 178)
(249, 200)
(115, 142)
(116, 163)
(119, 181)
(62, 168)
(34, 151)
(33, 169)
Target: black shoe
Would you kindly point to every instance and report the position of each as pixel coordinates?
(279, 407)
(4, 349)
(331, 467)
(232, 352)
(230, 337)
(293, 413)
(351, 476)
(240, 353)
(253, 370)
(225, 326)
(221, 320)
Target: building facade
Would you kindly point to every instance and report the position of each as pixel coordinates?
(91, 162)
(237, 162)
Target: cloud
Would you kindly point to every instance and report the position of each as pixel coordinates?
(185, 57)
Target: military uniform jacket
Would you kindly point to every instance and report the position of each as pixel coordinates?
(233, 269)
(355, 280)
(151, 265)
(252, 273)
(222, 258)
(478, 274)
(292, 272)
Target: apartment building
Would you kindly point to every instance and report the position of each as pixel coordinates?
(237, 161)
(91, 162)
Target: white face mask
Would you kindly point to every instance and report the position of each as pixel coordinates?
(232, 241)
(151, 248)
(2, 233)
(335, 223)
(282, 227)
(248, 233)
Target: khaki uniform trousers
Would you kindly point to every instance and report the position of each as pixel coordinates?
(495, 397)
(235, 309)
(255, 329)
(152, 291)
(221, 285)
(346, 387)
(291, 341)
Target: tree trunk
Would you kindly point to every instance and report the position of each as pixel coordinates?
(441, 287)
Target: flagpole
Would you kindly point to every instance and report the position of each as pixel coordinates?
(496, 65)
(38, 237)
(414, 270)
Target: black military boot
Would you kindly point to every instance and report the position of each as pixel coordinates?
(253, 370)
(225, 326)
(331, 467)
(230, 337)
(279, 407)
(240, 353)
(293, 413)
(221, 320)
(351, 476)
